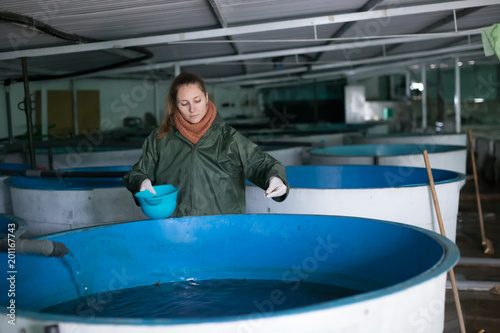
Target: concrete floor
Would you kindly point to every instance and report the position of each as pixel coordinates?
(480, 308)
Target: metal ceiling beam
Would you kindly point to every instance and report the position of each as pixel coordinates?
(459, 48)
(281, 25)
(440, 23)
(262, 81)
(223, 23)
(301, 50)
(382, 68)
(452, 43)
(258, 75)
(346, 26)
(351, 63)
(217, 12)
(365, 71)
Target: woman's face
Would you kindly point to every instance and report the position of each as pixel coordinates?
(192, 103)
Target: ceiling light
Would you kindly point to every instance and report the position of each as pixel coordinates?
(478, 100)
(471, 62)
(417, 86)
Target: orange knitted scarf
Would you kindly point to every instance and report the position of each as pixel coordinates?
(193, 132)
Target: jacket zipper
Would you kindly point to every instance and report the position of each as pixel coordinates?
(193, 149)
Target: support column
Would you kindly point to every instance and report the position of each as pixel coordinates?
(424, 97)
(9, 112)
(45, 113)
(29, 119)
(458, 120)
(75, 107)
(407, 83)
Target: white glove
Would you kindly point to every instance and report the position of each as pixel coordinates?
(276, 188)
(146, 185)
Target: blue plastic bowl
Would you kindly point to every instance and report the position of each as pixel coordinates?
(160, 205)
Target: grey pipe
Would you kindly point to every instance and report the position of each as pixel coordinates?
(42, 247)
(473, 285)
(486, 262)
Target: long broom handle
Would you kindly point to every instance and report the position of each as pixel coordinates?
(473, 158)
(441, 228)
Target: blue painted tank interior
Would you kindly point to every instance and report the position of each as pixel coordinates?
(100, 168)
(385, 150)
(364, 176)
(376, 257)
(60, 184)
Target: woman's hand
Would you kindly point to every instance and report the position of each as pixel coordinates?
(146, 185)
(276, 188)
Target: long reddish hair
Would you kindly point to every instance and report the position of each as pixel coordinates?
(182, 79)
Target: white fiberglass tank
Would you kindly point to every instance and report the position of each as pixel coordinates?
(391, 193)
(54, 204)
(445, 157)
(412, 138)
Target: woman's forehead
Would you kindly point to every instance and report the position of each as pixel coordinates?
(189, 91)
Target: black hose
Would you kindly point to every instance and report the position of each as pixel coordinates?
(63, 174)
(43, 27)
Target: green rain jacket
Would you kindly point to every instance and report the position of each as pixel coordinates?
(210, 175)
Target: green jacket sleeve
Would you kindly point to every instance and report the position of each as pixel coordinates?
(259, 166)
(145, 167)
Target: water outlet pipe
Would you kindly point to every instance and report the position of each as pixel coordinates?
(42, 247)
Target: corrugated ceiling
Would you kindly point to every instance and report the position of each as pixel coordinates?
(245, 50)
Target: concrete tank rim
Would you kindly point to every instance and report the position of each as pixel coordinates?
(412, 148)
(449, 258)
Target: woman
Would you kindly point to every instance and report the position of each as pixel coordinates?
(207, 160)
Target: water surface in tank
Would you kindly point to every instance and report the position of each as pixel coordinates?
(202, 299)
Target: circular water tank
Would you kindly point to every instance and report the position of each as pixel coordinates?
(5, 200)
(388, 263)
(440, 156)
(87, 155)
(400, 138)
(54, 204)
(325, 139)
(287, 156)
(391, 193)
